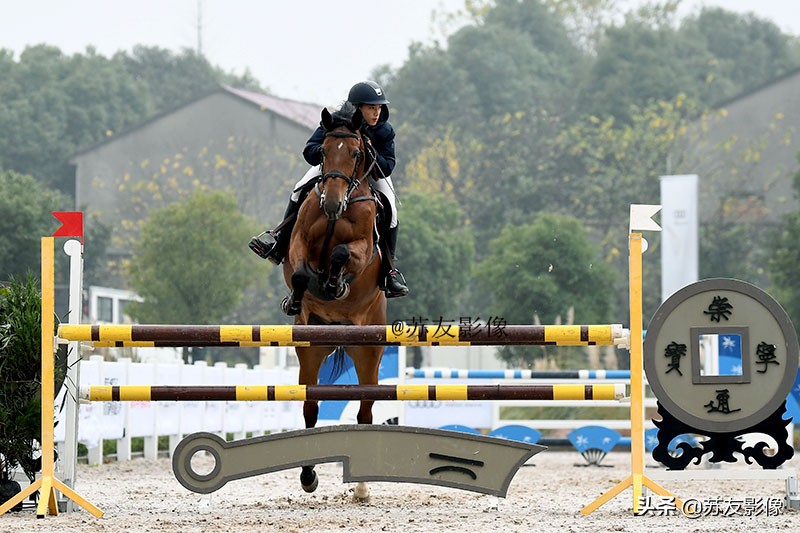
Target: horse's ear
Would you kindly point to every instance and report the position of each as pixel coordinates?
(327, 119)
(358, 119)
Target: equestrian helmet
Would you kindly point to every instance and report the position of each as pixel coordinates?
(367, 92)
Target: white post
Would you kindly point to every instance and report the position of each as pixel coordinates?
(69, 460)
(95, 454)
(151, 442)
(124, 444)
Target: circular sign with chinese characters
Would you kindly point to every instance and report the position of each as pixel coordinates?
(721, 355)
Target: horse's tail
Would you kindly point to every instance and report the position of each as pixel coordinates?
(338, 363)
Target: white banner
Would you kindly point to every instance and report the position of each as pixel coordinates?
(679, 241)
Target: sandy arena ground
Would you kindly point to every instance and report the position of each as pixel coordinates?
(143, 495)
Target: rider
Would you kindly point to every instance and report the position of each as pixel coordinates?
(369, 97)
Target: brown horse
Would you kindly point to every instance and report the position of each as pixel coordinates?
(333, 263)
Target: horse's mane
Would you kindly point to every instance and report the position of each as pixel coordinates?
(344, 115)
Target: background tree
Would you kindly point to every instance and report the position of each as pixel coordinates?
(435, 251)
(188, 266)
(25, 205)
(709, 57)
(56, 104)
(546, 272)
(172, 79)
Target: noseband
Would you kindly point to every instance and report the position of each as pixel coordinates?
(352, 181)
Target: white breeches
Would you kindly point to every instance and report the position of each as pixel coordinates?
(383, 186)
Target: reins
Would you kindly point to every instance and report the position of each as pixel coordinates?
(352, 185)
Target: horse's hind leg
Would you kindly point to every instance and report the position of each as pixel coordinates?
(367, 362)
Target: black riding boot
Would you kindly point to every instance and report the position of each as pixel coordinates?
(273, 244)
(394, 283)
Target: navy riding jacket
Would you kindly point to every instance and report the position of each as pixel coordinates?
(381, 135)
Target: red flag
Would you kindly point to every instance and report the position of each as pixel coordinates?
(71, 224)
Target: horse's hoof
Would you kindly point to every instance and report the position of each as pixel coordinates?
(309, 479)
(361, 491)
(288, 307)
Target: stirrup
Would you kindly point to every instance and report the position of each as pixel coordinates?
(395, 284)
(262, 247)
(267, 250)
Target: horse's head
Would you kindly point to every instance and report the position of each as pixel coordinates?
(342, 160)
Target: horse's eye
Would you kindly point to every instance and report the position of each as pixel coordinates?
(354, 154)
(322, 151)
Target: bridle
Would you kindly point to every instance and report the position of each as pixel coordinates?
(352, 184)
(352, 181)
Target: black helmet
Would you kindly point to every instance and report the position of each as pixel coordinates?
(367, 92)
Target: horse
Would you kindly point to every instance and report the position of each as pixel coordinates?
(333, 264)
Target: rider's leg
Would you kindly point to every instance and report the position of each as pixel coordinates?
(273, 244)
(394, 283)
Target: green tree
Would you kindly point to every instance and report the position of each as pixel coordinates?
(607, 165)
(25, 205)
(546, 272)
(746, 50)
(638, 64)
(435, 251)
(56, 104)
(173, 78)
(20, 374)
(709, 57)
(189, 266)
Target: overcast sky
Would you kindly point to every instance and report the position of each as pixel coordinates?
(308, 50)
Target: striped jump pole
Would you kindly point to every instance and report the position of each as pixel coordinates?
(455, 373)
(142, 335)
(106, 393)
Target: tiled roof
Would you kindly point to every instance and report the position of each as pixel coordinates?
(300, 112)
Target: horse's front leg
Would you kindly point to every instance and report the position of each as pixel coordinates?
(292, 304)
(355, 256)
(335, 285)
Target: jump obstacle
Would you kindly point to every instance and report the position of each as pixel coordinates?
(463, 373)
(117, 393)
(640, 219)
(139, 335)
